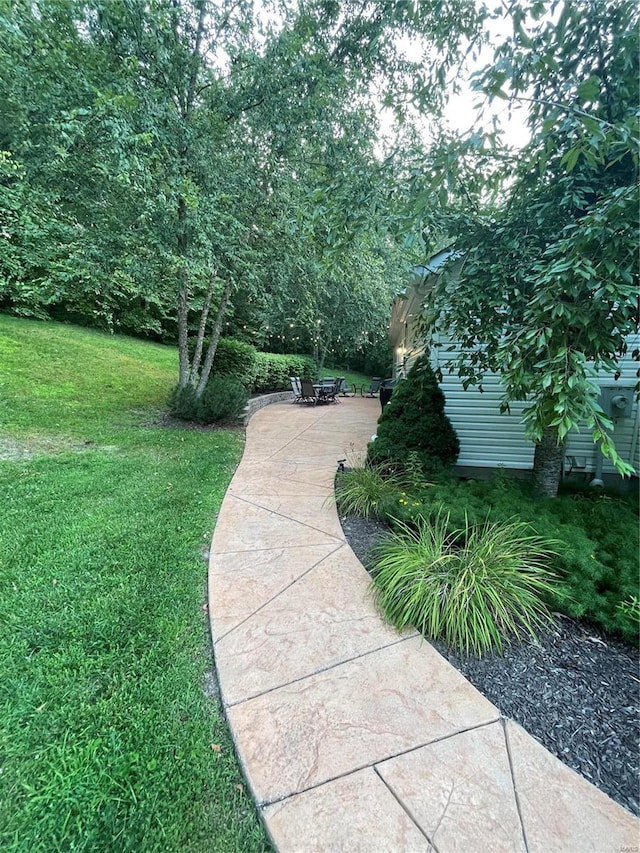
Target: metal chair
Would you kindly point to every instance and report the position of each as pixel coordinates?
(308, 392)
(329, 390)
(343, 388)
(374, 387)
(295, 387)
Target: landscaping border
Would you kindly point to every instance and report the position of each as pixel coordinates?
(256, 403)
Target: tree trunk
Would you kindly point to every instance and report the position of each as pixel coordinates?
(215, 336)
(547, 464)
(183, 297)
(204, 316)
(183, 330)
(322, 356)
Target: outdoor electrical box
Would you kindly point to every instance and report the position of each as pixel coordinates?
(617, 402)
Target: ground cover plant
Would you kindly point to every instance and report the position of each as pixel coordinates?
(596, 536)
(109, 741)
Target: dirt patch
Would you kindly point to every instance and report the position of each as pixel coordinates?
(14, 450)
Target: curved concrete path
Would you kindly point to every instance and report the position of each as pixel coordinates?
(352, 736)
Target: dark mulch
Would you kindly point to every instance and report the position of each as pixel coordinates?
(577, 692)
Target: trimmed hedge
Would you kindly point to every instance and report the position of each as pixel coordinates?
(273, 371)
(259, 372)
(235, 358)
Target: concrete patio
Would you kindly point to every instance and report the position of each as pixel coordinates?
(352, 736)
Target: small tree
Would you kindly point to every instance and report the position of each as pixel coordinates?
(547, 295)
(414, 425)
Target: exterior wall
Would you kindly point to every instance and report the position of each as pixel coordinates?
(489, 439)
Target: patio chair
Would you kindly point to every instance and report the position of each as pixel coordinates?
(329, 390)
(343, 388)
(308, 392)
(374, 387)
(295, 387)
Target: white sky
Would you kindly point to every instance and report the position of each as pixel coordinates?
(460, 112)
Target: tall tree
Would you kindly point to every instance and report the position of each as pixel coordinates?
(167, 123)
(548, 291)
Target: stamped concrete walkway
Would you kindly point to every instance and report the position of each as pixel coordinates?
(352, 736)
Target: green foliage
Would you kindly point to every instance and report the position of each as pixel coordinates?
(273, 371)
(366, 491)
(414, 422)
(183, 403)
(106, 731)
(628, 612)
(548, 291)
(236, 358)
(222, 401)
(375, 359)
(473, 587)
(597, 562)
(139, 180)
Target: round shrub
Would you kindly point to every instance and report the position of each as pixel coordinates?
(223, 400)
(235, 358)
(473, 587)
(414, 426)
(183, 403)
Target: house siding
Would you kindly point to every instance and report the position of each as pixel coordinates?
(489, 439)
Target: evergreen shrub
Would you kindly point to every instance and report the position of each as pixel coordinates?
(183, 403)
(222, 401)
(414, 426)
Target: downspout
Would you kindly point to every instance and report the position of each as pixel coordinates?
(597, 481)
(634, 439)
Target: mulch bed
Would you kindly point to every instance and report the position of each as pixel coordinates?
(577, 692)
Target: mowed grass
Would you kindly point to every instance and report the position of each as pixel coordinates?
(359, 380)
(108, 740)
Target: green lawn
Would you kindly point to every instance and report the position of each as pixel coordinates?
(357, 379)
(107, 739)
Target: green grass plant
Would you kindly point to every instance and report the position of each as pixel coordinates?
(597, 564)
(474, 587)
(366, 490)
(109, 740)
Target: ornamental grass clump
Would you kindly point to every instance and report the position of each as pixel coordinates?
(366, 491)
(474, 587)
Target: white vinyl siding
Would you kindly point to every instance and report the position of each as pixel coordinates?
(489, 439)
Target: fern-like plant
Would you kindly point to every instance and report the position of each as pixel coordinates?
(474, 588)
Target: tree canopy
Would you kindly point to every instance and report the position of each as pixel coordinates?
(189, 167)
(163, 164)
(548, 290)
